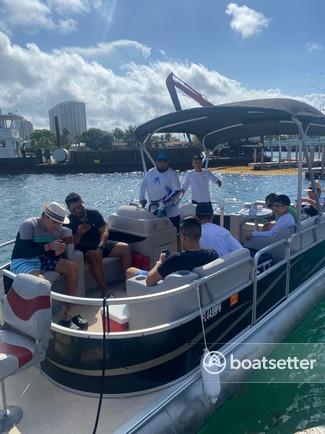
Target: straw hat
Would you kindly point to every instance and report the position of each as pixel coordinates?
(317, 186)
(56, 212)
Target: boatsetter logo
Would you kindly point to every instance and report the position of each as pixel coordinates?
(215, 362)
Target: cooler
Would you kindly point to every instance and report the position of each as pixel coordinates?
(118, 318)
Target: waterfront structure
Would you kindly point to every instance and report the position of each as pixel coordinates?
(12, 120)
(71, 117)
(10, 140)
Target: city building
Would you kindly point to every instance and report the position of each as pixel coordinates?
(71, 116)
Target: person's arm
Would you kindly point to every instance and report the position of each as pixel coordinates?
(186, 183)
(80, 232)
(154, 274)
(143, 188)
(311, 202)
(280, 224)
(28, 246)
(233, 243)
(103, 232)
(214, 178)
(175, 183)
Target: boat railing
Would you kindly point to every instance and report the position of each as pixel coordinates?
(195, 284)
(259, 275)
(255, 277)
(2, 246)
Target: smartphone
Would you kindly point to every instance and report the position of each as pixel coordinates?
(166, 252)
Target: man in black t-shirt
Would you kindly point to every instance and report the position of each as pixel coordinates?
(190, 257)
(91, 237)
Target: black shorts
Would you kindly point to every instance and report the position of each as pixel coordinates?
(107, 249)
(176, 222)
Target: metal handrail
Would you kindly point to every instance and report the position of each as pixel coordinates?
(256, 259)
(149, 297)
(7, 243)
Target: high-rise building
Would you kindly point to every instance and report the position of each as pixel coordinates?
(71, 116)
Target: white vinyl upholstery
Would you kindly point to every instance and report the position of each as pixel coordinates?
(188, 210)
(27, 306)
(239, 274)
(303, 240)
(277, 253)
(27, 309)
(161, 311)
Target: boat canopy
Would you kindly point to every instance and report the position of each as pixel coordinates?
(214, 125)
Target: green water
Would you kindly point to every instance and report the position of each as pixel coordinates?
(276, 408)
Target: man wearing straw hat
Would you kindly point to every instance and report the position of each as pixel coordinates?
(38, 248)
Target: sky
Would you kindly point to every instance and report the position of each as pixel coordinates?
(115, 55)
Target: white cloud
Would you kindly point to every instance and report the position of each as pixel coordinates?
(314, 46)
(67, 26)
(25, 13)
(32, 81)
(122, 50)
(69, 6)
(54, 15)
(246, 21)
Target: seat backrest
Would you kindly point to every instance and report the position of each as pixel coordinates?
(305, 239)
(239, 274)
(27, 306)
(188, 210)
(161, 311)
(278, 253)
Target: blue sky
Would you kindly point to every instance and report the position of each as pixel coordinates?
(116, 54)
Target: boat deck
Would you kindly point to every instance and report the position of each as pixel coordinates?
(49, 408)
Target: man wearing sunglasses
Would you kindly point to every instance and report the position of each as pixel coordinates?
(91, 237)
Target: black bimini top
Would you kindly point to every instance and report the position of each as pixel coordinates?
(238, 120)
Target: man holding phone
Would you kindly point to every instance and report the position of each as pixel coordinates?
(91, 237)
(190, 257)
(39, 247)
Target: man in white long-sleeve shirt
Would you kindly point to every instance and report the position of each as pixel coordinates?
(198, 180)
(285, 219)
(161, 183)
(214, 236)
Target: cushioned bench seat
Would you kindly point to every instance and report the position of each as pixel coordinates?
(238, 275)
(161, 311)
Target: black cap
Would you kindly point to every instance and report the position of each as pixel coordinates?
(204, 209)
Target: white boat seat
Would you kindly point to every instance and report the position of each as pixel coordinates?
(27, 310)
(278, 253)
(306, 239)
(15, 352)
(239, 274)
(161, 311)
(113, 271)
(188, 210)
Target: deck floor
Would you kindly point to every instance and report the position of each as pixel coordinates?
(47, 408)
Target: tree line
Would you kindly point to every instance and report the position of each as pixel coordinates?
(93, 138)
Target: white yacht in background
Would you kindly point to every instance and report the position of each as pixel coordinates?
(10, 140)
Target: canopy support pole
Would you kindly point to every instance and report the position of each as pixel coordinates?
(206, 165)
(302, 147)
(143, 161)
